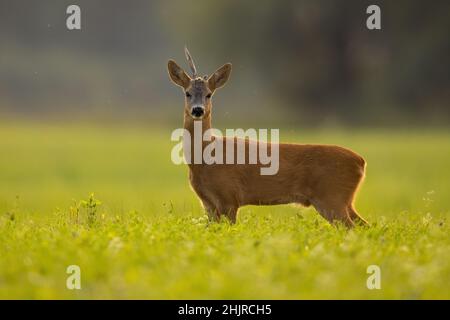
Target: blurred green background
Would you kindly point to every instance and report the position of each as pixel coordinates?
(295, 62)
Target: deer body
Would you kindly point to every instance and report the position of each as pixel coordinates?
(324, 176)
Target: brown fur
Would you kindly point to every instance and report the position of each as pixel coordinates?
(324, 176)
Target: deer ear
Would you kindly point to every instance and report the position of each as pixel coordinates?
(177, 74)
(219, 77)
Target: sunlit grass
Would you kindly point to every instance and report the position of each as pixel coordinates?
(150, 239)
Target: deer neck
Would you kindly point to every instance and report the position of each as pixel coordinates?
(196, 129)
(189, 123)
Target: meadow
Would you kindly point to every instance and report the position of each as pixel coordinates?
(144, 234)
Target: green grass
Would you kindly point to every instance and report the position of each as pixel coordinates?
(150, 239)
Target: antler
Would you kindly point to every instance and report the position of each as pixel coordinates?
(191, 62)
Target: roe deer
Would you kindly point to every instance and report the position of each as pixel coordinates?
(324, 176)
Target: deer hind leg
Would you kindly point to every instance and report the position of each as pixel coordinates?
(334, 211)
(356, 218)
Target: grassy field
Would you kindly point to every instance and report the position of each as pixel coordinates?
(149, 237)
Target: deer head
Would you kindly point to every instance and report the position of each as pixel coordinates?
(198, 91)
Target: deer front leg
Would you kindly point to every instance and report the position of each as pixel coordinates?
(232, 214)
(214, 213)
(211, 210)
(228, 211)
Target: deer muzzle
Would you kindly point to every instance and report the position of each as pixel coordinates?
(197, 112)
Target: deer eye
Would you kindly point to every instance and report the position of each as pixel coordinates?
(188, 94)
(208, 95)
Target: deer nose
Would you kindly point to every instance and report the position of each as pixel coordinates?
(197, 112)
